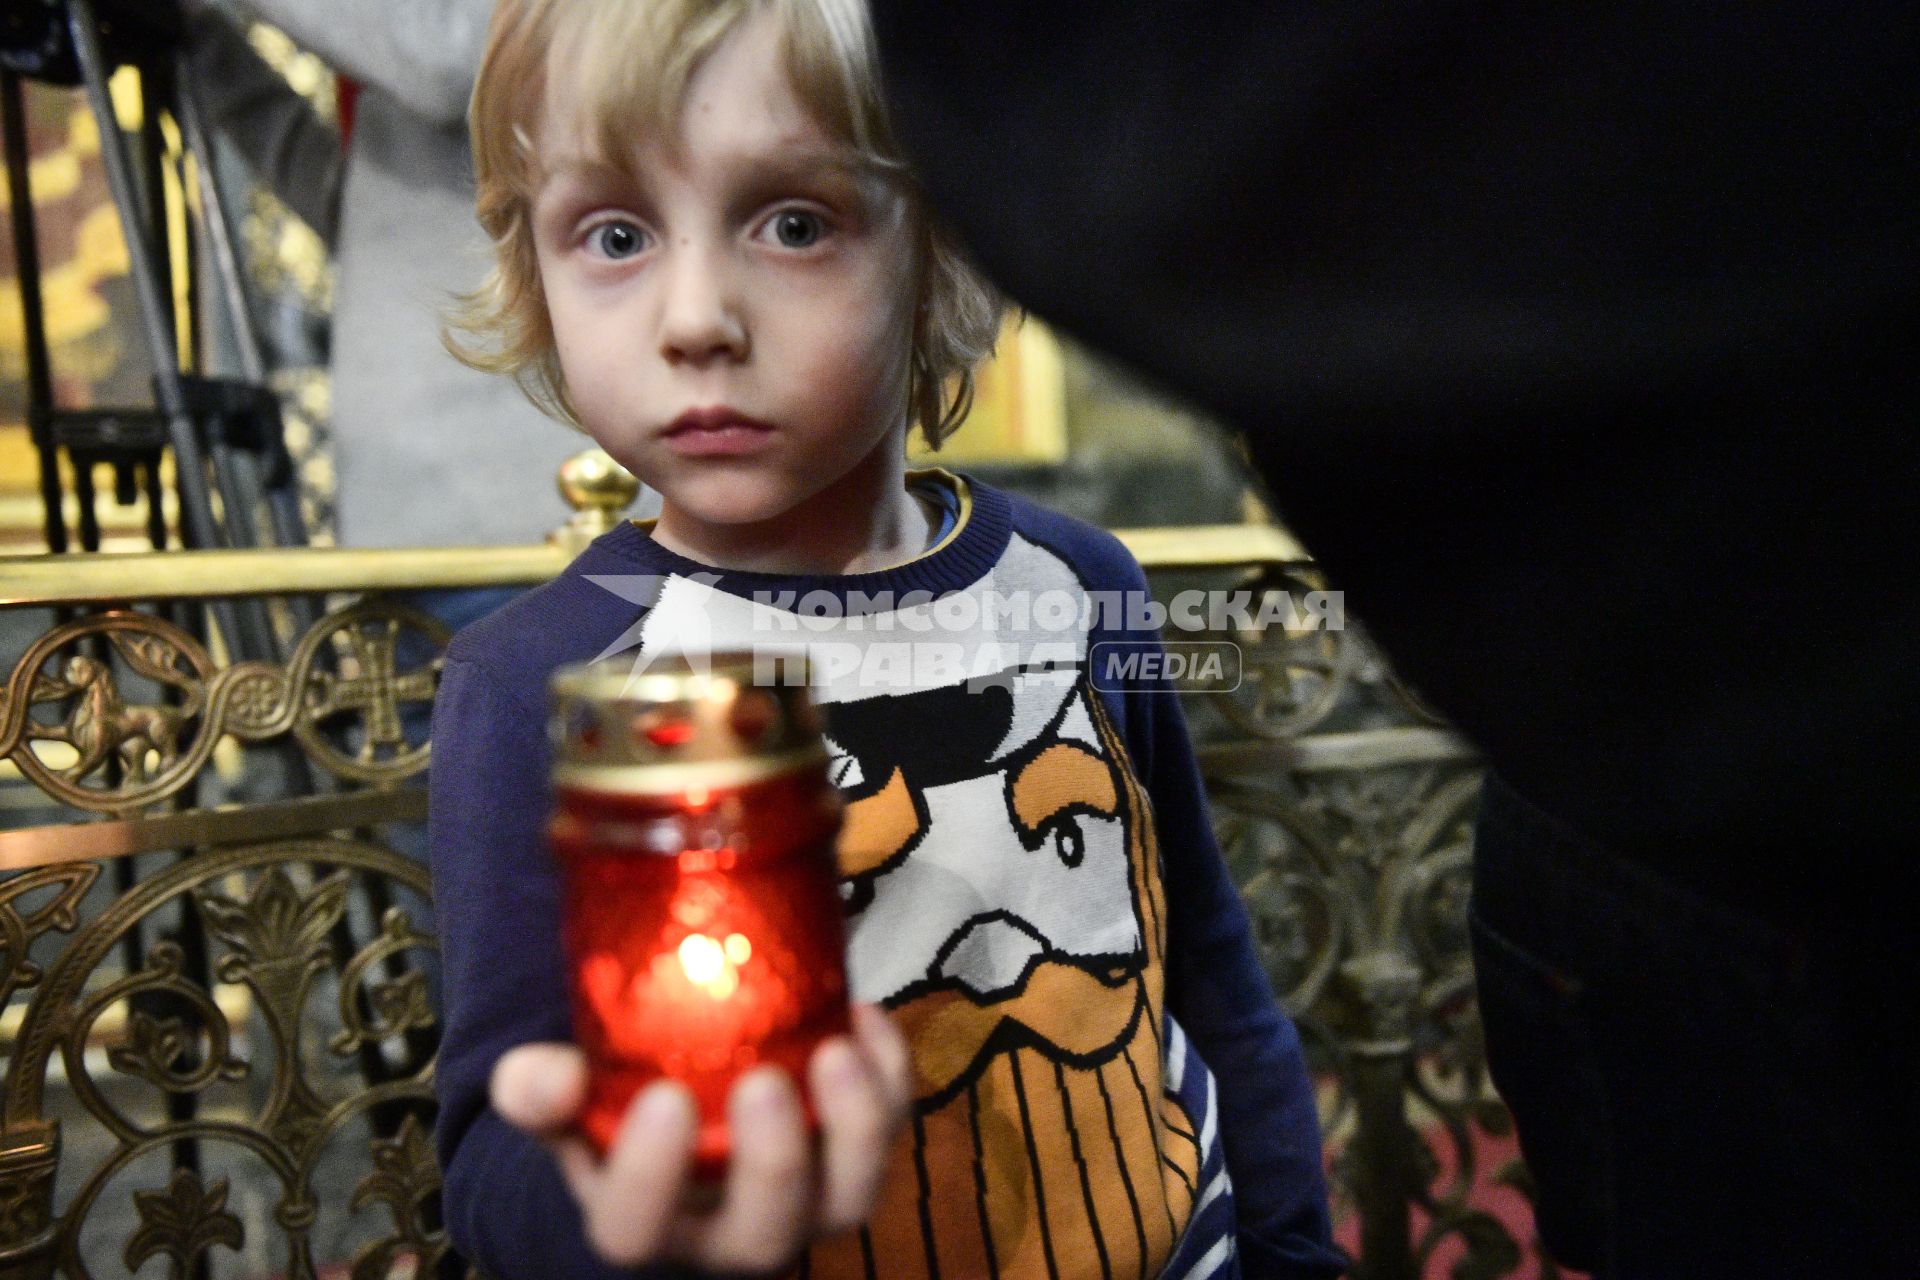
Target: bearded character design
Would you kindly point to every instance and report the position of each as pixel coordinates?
(1004, 901)
(1003, 887)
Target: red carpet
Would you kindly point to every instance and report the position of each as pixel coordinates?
(1505, 1204)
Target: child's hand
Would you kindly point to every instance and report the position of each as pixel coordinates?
(776, 1199)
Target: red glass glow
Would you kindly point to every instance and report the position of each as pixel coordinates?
(706, 938)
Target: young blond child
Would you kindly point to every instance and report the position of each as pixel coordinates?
(1067, 1060)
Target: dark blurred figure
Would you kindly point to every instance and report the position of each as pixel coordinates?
(1578, 342)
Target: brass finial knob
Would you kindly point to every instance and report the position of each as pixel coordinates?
(598, 489)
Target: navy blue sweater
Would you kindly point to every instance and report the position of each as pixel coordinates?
(1105, 1085)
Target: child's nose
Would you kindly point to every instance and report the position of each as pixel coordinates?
(701, 321)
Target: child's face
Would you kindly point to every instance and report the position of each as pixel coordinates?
(734, 318)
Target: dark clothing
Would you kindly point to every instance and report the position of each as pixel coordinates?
(1575, 340)
(1702, 1092)
(1578, 343)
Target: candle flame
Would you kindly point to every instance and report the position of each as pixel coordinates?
(702, 958)
(713, 966)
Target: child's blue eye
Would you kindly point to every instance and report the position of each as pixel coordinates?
(797, 229)
(616, 240)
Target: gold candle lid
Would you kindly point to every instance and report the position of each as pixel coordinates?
(722, 720)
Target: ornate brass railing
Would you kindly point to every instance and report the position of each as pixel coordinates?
(1345, 808)
(167, 964)
(219, 1017)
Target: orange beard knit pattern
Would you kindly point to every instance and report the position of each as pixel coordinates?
(1044, 1143)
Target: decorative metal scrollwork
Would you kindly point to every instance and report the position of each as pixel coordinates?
(19, 930)
(278, 928)
(1345, 811)
(405, 1178)
(272, 912)
(1294, 669)
(367, 688)
(398, 1004)
(183, 1222)
(29, 1161)
(71, 720)
(154, 747)
(161, 1051)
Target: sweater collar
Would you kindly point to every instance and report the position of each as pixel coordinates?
(957, 562)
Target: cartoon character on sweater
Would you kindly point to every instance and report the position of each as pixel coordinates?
(1003, 882)
(1003, 885)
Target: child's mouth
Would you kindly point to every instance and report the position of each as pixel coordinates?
(716, 432)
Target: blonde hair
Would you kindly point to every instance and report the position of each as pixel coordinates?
(633, 61)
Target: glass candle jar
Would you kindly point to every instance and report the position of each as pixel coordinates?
(694, 826)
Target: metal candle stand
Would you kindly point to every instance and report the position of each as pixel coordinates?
(225, 434)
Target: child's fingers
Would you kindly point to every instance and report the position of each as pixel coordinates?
(632, 1202)
(766, 1214)
(859, 1121)
(629, 1201)
(579, 1166)
(886, 1050)
(539, 1087)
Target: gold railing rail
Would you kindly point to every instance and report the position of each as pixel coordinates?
(108, 578)
(177, 575)
(30, 848)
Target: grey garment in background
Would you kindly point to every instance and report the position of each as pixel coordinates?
(427, 451)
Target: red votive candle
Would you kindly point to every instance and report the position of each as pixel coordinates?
(694, 826)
